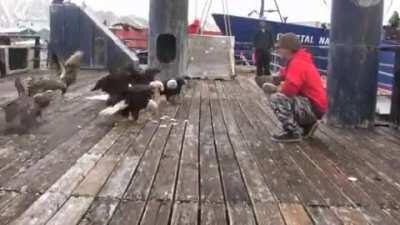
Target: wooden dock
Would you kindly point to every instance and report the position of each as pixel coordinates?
(209, 161)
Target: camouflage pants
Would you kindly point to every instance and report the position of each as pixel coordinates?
(294, 113)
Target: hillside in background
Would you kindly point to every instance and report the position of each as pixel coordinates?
(35, 14)
(24, 13)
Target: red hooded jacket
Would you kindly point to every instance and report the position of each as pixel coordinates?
(301, 77)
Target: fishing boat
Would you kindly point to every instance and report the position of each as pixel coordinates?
(315, 39)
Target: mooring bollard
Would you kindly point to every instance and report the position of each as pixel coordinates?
(353, 62)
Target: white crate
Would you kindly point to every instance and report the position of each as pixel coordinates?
(6, 51)
(211, 57)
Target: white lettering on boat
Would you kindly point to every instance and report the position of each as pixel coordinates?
(323, 41)
(308, 39)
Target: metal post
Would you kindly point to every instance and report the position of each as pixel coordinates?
(262, 9)
(37, 49)
(168, 37)
(353, 62)
(395, 108)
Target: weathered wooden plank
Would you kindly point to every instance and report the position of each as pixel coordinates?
(72, 211)
(356, 195)
(268, 213)
(8, 152)
(101, 147)
(128, 213)
(379, 154)
(165, 182)
(157, 213)
(352, 189)
(166, 178)
(258, 189)
(369, 166)
(234, 187)
(350, 216)
(96, 178)
(6, 197)
(373, 140)
(185, 214)
(338, 177)
(274, 176)
(38, 145)
(120, 178)
(142, 140)
(210, 178)
(353, 167)
(71, 179)
(213, 214)
(188, 178)
(212, 90)
(100, 212)
(124, 143)
(295, 214)
(389, 133)
(331, 194)
(375, 213)
(95, 181)
(240, 213)
(159, 208)
(146, 171)
(42, 210)
(362, 166)
(323, 215)
(44, 173)
(395, 213)
(298, 181)
(224, 126)
(69, 113)
(15, 207)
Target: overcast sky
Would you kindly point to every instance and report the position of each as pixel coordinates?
(296, 10)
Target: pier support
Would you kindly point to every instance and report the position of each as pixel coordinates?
(168, 37)
(353, 62)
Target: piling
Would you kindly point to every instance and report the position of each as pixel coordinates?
(353, 62)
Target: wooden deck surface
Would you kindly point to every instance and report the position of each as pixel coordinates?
(209, 161)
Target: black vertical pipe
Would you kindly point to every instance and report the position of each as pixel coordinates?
(395, 108)
(37, 49)
(353, 62)
(262, 9)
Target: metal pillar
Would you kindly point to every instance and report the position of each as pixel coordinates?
(168, 37)
(37, 49)
(395, 108)
(353, 62)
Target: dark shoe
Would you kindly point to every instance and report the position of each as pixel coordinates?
(287, 137)
(309, 131)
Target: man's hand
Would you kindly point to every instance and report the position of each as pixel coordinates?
(280, 87)
(276, 79)
(269, 88)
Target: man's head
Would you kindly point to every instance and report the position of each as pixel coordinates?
(287, 45)
(263, 26)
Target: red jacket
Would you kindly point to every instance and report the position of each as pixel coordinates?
(301, 77)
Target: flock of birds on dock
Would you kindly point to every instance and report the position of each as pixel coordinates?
(128, 91)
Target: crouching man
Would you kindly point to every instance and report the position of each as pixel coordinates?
(300, 100)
